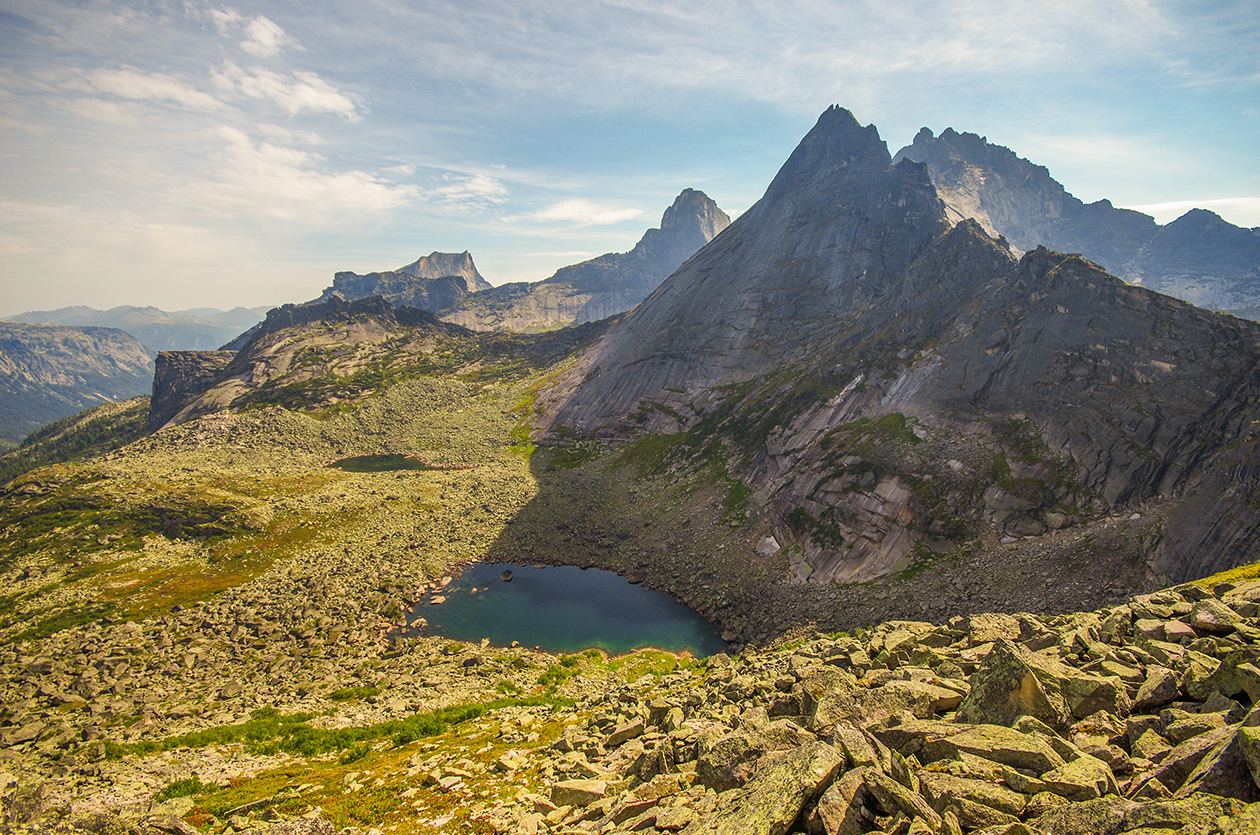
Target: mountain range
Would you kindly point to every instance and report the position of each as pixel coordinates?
(887, 384)
(1199, 257)
(450, 286)
(198, 329)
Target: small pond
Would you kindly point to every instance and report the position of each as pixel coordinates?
(563, 608)
(381, 464)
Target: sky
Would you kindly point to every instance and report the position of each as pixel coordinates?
(203, 154)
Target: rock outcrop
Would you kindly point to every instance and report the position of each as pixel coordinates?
(323, 354)
(604, 286)
(178, 377)
(1199, 257)
(433, 282)
(884, 383)
(49, 372)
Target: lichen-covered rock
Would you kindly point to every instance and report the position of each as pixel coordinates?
(1224, 772)
(773, 799)
(1005, 746)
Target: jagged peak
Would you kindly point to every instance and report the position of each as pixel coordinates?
(837, 148)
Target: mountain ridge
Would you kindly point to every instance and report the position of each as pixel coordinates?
(49, 372)
(1199, 257)
(786, 330)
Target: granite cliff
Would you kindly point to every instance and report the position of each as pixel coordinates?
(1199, 257)
(889, 387)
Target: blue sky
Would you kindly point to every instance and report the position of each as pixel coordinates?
(186, 154)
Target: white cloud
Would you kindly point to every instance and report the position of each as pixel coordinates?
(130, 83)
(476, 191)
(580, 213)
(263, 37)
(108, 112)
(290, 136)
(273, 181)
(574, 254)
(296, 92)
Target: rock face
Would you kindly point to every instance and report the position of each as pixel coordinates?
(836, 228)
(450, 285)
(885, 382)
(179, 376)
(603, 286)
(434, 282)
(49, 372)
(1199, 257)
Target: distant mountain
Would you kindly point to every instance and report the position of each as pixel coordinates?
(600, 287)
(1199, 257)
(48, 372)
(449, 285)
(434, 282)
(889, 387)
(198, 329)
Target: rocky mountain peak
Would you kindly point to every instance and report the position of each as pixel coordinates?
(442, 264)
(836, 150)
(694, 212)
(837, 227)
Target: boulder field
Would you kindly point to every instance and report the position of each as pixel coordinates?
(1138, 718)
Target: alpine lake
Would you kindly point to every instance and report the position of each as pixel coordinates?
(560, 609)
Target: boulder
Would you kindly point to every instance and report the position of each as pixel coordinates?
(943, 789)
(1011, 681)
(1237, 675)
(986, 628)
(841, 809)
(1198, 813)
(577, 792)
(1084, 778)
(1160, 687)
(771, 802)
(1213, 617)
(894, 798)
(1178, 763)
(1224, 771)
(1103, 816)
(1005, 746)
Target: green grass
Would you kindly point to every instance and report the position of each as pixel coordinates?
(352, 694)
(267, 731)
(183, 788)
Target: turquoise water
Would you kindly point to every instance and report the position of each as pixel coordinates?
(563, 608)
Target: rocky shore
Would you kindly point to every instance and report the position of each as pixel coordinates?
(1137, 718)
